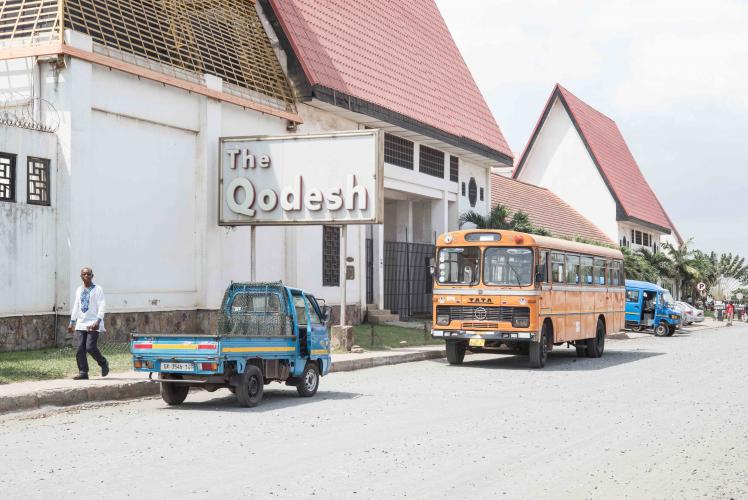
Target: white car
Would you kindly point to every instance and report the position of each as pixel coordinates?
(690, 313)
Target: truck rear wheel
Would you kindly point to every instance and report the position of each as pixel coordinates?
(251, 386)
(455, 352)
(174, 394)
(309, 381)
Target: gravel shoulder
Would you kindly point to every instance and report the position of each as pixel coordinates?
(653, 418)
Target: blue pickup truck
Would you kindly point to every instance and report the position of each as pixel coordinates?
(266, 332)
(651, 306)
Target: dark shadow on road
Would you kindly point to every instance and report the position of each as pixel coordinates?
(558, 360)
(273, 399)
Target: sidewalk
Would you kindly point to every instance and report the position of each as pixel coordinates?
(130, 385)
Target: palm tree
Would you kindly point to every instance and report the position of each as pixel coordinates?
(685, 266)
(500, 217)
(637, 267)
(660, 263)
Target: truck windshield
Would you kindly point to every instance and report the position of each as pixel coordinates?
(458, 266)
(667, 300)
(507, 266)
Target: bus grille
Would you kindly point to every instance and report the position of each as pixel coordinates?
(479, 313)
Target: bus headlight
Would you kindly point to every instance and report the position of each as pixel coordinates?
(520, 322)
(442, 320)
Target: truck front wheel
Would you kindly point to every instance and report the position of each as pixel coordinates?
(662, 329)
(309, 381)
(251, 386)
(174, 394)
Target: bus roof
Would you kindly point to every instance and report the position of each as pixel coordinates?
(644, 285)
(514, 238)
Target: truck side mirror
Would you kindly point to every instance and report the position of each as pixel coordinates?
(327, 311)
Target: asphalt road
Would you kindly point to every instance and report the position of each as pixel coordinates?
(653, 418)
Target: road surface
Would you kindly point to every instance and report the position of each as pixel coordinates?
(654, 418)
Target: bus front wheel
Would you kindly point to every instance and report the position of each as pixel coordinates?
(539, 350)
(455, 352)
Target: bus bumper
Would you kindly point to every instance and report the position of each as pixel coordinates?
(469, 334)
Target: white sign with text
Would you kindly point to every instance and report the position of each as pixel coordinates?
(334, 178)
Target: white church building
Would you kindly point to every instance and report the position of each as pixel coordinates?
(109, 141)
(579, 154)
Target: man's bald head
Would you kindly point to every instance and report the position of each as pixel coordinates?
(87, 275)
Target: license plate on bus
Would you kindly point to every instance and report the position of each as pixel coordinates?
(177, 367)
(477, 342)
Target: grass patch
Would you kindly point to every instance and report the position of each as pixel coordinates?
(389, 337)
(46, 364)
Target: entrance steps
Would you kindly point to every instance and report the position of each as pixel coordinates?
(377, 316)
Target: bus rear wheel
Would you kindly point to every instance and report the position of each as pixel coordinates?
(455, 352)
(596, 346)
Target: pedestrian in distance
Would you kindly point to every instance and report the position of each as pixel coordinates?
(87, 322)
(729, 311)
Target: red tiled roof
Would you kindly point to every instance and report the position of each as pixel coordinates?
(613, 157)
(544, 208)
(396, 55)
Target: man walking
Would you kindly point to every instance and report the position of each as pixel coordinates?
(87, 321)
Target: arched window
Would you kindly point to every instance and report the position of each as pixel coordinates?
(472, 192)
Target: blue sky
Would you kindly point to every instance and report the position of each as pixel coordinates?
(672, 74)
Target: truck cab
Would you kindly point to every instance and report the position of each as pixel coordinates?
(266, 332)
(650, 306)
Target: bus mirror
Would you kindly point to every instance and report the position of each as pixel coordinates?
(432, 266)
(539, 277)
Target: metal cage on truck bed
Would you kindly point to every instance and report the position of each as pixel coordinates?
(255, 310)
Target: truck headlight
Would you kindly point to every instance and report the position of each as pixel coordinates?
(674, 316)
(442, 319)
(520, 322)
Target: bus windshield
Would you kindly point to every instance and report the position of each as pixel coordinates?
(458, 266)
(507, 266)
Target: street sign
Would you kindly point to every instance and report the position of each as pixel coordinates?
(739, 296)
(334, 178)
(701, 287)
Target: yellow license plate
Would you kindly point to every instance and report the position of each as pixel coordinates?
(477, 342)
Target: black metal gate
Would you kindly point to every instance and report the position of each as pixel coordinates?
(407, 280)
(369, 271)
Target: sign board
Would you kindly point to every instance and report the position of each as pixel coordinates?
(335, 178)
(739, 296)
(701, 287)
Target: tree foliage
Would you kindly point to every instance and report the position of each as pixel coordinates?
(500, 217)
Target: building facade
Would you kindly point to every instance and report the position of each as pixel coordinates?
(580, 155)
(109, 156)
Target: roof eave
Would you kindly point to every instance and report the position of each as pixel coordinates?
(358, 105)
(622, 217)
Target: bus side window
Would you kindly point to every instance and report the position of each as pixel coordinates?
(557, 270)
(586, 270)
(572, 269)
(547, 265)
(599, 272)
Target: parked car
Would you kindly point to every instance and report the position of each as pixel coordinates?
(651, 306)
(265, 332)
(690, 313)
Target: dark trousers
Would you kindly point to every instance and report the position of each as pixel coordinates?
(86, 342)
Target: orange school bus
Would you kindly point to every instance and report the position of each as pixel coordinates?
(495, 290)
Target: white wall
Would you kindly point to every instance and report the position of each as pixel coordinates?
(28, 243)
(560, 162)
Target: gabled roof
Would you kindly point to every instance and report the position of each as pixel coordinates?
(393, 60)
(634, 198)
(544, 208)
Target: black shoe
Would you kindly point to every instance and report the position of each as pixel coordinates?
(80, 377)
(105, 369)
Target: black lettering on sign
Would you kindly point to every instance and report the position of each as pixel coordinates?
(479, 300)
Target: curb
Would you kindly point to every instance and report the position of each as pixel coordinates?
(361, 364)
(143, 388)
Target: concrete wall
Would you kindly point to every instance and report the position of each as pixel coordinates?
(28, 245)
(560, 162)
